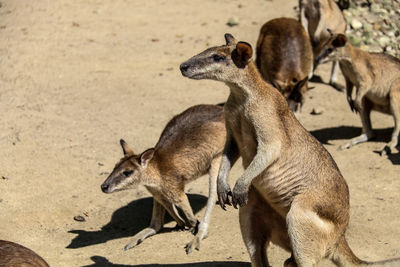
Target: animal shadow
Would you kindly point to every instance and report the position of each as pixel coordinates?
(127, 221)
(347, 132)
(103, 262)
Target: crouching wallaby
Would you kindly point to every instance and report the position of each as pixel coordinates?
(284, 58)
(317, 16)
(296, 196)
(189, 147)
(15, 255)
(376, 77)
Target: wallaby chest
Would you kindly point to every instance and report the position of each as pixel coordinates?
(239, 124)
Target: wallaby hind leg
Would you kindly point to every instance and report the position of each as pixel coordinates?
(309, 235)
(333, 78)
(367, 132)
(260, 224)
(212, 195)
(395, 110)
(156, 224)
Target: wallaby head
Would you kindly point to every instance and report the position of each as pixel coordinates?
(293, 91)
(222, 63)
(334, 49)
(129, 170)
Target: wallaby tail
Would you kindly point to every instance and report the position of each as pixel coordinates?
(345, 257)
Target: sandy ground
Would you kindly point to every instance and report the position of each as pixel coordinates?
(76, 76)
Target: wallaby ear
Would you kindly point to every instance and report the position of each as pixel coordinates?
(340, 40)
(301, 83)
(146, 157)
(125, 148)
(230, 40)
(242, 54)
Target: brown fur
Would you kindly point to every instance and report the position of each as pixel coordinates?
(319, 18)
(376, 77)
(291, 192)
(15, 255)
(189, 147)
(284, 58)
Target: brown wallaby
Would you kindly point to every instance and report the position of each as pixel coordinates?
(190, 146)
(15, 255)
(376, 77)
(285, 58)
(317, 16)
(296, 196)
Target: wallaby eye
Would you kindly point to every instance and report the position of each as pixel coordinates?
(218, 58)
(330, 50)
(127, 173)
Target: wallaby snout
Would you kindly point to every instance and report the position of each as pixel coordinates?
(106, 188)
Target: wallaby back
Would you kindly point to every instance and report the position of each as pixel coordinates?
(284, 58)
(15, 255)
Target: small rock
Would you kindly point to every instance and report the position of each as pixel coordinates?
(383, 41)
(100, 164)
(79, 218)
(4, 177)
(355, 40)
(233, 21)
(317, 111)
(356, 24)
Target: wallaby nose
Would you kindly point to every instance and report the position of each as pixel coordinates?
(104, 187)
(184, 67)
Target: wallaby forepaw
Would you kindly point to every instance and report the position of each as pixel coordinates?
(195, 229)
(179, 228)
(224, 192)
(239, 196)
(337, 86)
(195, 243)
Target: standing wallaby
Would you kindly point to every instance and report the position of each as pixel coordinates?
(189, 147)
(317, 16)
(285, 58)
(15, 255)
(376, 77)
(296, 196)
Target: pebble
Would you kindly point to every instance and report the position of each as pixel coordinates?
(233, 21)
(79, 218)
(356, 24)
(375, 28)
(317, 111)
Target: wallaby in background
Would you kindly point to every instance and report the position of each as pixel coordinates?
(15, 255)
(190, 146)
(285, 58)
(317, 16)
(291, 192)
(376, 77)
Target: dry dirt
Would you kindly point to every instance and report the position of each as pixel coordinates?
(76, 76)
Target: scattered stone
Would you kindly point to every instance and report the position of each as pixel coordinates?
(233, 21)
(374, 26)
(317, 111)
(383, 41)
(356, 24)
(100, 164)
(79, 218)
(4, 177)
